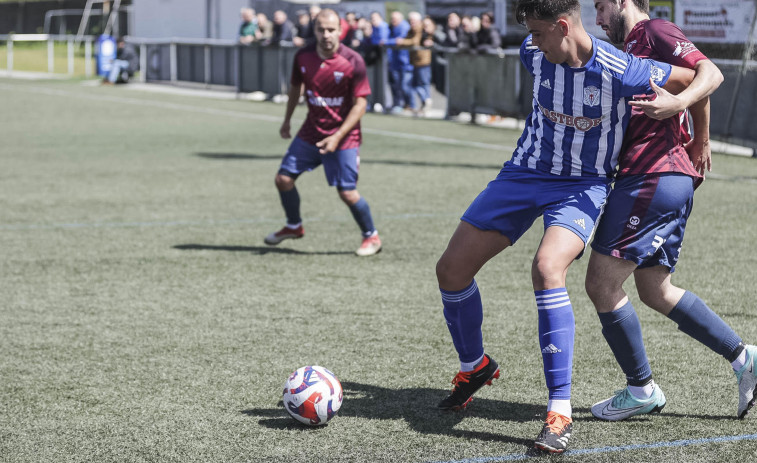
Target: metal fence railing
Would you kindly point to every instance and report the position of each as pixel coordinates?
(51, 40)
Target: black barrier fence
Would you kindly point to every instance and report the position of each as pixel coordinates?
(492, 83)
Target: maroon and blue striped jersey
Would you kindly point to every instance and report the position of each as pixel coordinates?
(331, 87)
(652, 146)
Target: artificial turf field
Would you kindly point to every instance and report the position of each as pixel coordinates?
(143, 319)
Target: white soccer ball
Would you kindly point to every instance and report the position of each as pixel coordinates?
(312, 395)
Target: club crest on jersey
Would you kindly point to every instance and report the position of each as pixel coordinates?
(591, 96)
(656, 73)
(338, 76)
(630, 46)
(302, 68)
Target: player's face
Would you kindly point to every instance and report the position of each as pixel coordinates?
(611, 20)
(549, 37)
(327, 29)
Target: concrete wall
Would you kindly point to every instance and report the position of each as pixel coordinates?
(170, 18)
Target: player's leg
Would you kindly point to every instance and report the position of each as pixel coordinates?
(568, 223)
(622, 331)
(341, 169)
(299, 158)
(695, 318)
(496, 218)
(637, 218)
(361, 212)
(468, 250)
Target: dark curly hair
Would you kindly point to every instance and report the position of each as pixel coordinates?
(547, 10)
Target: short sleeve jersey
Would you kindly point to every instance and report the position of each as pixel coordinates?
(331, 87)
(579, 114)
(653, 146)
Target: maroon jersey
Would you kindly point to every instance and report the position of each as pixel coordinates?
(652, 146)
(331, 87)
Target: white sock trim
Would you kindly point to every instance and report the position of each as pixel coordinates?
(470, 366)
(561, 406)
(739, 363)
(642, 392)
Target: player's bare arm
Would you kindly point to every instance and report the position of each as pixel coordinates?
(295, 91)
(699, 147)
(331, 143)
(706, 79)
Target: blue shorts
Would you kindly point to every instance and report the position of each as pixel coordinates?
(645, 218)
(341, 166)
(518, 196)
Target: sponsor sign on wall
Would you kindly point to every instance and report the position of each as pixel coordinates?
(725, 21)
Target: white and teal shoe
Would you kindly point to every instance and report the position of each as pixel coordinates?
(624, 405)
(747, 378)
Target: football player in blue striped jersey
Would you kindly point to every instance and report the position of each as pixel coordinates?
(561, 170)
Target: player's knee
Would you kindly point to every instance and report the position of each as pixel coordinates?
(651, 296)
(595, 289)
(447, 276)
(350, 197)
(547, 273)
(284, 182)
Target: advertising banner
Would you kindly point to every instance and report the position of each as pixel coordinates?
(726, 21)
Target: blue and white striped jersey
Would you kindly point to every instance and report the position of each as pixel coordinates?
(580, 114)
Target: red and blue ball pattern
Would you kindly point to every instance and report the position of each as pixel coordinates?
(312, 395)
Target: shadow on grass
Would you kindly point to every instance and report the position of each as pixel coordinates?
(418, 408)
(391, 162)
(257, 250)
(245, 156)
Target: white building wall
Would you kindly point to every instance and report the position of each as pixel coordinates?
(218, 19)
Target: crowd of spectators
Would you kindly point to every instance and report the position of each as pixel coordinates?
(415, 47)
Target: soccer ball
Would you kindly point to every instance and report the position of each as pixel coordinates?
(312, 395)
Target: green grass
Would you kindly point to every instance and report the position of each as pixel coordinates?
(143, 318)
(32, 57)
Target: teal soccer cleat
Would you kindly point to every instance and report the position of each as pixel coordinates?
(624, 405)
(747, 378)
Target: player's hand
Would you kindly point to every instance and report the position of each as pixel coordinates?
(663, 106)
(284, 131)
(700, 155)
(328, 144)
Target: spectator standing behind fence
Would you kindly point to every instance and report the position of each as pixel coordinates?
(467, 40)
(450, 35)
(125, 64)
(487, 38)
(370, 52)
(248, 30)
(283, 29)
(433, 36)
(452, 31)
(265, 28)
(400, 68)
(304, 29)
(420, 60)
(353, 35)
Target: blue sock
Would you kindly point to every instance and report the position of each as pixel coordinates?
(622, 330)
(465, 315)
(362, 214)
(291, 202)
(557, 328)
(701, 323)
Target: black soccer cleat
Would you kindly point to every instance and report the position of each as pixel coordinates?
(467, 383)
(554, 436)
